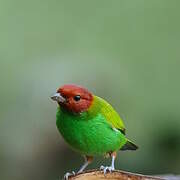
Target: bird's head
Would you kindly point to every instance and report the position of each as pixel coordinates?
(73, 98)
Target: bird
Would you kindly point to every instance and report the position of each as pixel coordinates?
(90, 125)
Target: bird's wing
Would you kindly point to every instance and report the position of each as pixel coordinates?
(111, 115)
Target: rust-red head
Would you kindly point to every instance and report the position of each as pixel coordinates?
(73, 98)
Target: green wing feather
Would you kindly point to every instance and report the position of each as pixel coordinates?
(109, 113)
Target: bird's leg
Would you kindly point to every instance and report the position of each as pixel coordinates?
(88, 160)
(113, 155)
(109, 168)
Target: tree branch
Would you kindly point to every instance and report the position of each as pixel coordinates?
(115, 175)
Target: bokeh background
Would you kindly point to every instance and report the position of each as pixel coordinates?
(127, 51)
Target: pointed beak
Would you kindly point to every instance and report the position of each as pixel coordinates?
(57, 97)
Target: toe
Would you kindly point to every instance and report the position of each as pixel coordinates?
(66, 176)
(106, 169)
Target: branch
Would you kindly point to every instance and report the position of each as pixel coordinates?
(115, 175)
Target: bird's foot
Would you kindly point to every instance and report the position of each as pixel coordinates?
(106, 169)
(66, 176)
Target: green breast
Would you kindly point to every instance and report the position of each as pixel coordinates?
(89, 134)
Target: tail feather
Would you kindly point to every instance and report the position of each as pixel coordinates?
(129, 146)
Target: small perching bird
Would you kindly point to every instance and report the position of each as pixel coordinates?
(89, 125)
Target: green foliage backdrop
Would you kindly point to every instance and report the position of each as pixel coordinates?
(126, 51)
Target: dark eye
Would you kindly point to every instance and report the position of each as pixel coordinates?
(77, 97)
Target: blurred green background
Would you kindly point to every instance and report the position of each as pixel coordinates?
(127, 51)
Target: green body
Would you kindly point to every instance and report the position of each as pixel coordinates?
(93, 132)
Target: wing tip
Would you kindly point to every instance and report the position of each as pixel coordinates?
(129, 146)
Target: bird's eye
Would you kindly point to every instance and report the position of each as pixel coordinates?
(77, 97)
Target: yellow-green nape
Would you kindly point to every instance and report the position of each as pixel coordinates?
(101, 106)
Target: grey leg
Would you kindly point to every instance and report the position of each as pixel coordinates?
(109, 168)
(88, 160)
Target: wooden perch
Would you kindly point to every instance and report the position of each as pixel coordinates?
(115, 175)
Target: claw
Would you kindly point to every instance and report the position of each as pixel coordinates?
(107, 169)
(102, 168)
(66, 176)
